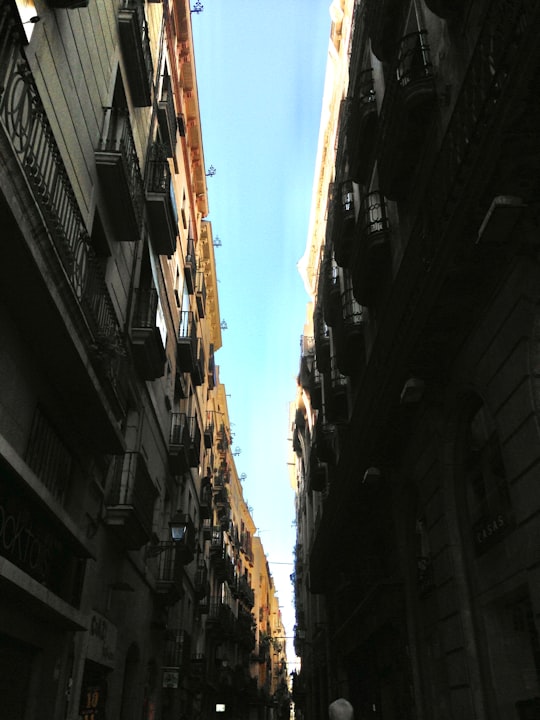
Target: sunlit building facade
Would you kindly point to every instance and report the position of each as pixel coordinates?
(126, 561)
(416, 432)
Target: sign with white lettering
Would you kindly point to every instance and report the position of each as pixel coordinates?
(101, 640)
(32, 542)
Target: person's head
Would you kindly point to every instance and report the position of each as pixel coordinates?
(340, 709)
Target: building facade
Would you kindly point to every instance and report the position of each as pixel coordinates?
(126, 561)
(416, 432)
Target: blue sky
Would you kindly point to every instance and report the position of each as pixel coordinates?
(260, 72)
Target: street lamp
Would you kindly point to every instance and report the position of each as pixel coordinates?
(178, 526)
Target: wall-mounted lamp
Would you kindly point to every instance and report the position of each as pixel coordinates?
(178, 526)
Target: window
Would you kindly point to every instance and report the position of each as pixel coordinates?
(487, 495)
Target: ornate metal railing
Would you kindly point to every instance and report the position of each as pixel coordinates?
(24, 121)
(414, 62)
(506, 23)
(132, 486)
(117, 137)
(146, 308)
(373, 214)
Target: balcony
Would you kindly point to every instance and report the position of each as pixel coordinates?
(179, 444)
(160, 202)
(405, 116)
(384, 20)
(181, 386)
(197, 671)
(307, 359)
(220, 620)
(199, 369)
(212, 373)
(362, 124)
(133, 31)
(350, 339)
(67, 249)
(371, 254)
(336, 395)
(186, 344)
(218, 554)
(200, 293)
(166, 115)
(245, 592)
(205, 500)
(190, 265)
(120, 176)
(315, 388)
(201, 585)
(245, 630)
(130, 501)
(317, 474)
(341, 222)
(322, 340)
(330, 276)
(325, 443)
(209, 435)
(177, 653)
(169, 582)
(146, 341)
(195, 438)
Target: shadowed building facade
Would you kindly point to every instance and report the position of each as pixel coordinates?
(123, 547)
(416, 433)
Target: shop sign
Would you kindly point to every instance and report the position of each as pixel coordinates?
(171, 678)
(101, 640)
(30, 541)
(489, 530)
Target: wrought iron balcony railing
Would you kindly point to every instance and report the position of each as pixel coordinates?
(179, 443)
(209, 435)
(322, 340)
(187, 342)
(177, 652)
(371, 252)
(349, 334)
(330, 275)
(120, 175)
(35, 149)
(169, 581)
(195, 437)
(212, 369)
(190, 265)
(362, 124)
(414, 66)
(148, 349)
(343, 221)
(161, 202)
(199, 367)
(167, 116)
(134, 38)
(200, 293)
(406, 113)
(130, 500)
